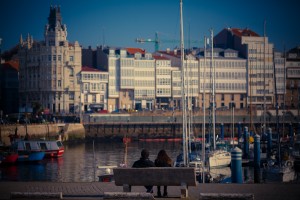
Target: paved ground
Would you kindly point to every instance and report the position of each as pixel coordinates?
(94, 190)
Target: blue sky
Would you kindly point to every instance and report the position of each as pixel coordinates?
(120, 22)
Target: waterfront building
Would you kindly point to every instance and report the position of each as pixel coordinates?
(259, 54)
(49, 69)
(230, 76)
(93, 95)
(131, 77)
(280, 75)
(163, 80)
(292, 99)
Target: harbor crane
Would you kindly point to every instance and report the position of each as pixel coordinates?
(157, 41)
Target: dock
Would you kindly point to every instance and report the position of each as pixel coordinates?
(95, 190)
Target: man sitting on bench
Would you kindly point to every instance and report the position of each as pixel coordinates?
(144, 162)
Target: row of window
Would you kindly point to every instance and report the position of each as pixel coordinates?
(141, 93)
(95, 77)
(225, 86)
(226, 75)
(225, 64)
(144, 73)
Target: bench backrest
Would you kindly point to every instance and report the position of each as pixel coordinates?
(172, 176)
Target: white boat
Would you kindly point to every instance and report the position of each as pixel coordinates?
(219, 158)
(52, 148)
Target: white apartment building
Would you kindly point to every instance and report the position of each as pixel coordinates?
(93, 94)
(292, 99)
(280, 75)
(49, 69)
(163, 79)
(230, 77)
(131, 83)
(259, 54)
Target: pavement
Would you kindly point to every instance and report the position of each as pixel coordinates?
(95, 190)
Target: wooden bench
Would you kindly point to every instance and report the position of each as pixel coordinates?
(226, 196)
(35, 195)
(156, 176)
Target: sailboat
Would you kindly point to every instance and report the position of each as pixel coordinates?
(190, 156)
(217, 157)
(277, 169)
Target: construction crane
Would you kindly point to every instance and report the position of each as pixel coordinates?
(157, 41)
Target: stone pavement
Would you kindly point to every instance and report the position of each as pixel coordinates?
(94, 190)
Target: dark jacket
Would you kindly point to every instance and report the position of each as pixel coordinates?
(142, 163)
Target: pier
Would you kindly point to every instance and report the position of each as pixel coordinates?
(95, 190)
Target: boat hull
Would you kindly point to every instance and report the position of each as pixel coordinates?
(31, 156)
(219, 159)
(9, 158)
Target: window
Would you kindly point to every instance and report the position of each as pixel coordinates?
(71, 72)
(222, 97)
(71, 96)
(241, 97)
(232, 97)
(59, 83)
(71, 58)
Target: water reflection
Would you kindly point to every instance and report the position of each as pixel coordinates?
(80, 161)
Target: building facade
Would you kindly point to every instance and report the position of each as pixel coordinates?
(292, 99)
(49, 69)
(93, 95)
(260, 67)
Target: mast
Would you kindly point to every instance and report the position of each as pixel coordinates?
(203, 131)
(183, 96)
(264, 77)
(213, 89)
(277, 116)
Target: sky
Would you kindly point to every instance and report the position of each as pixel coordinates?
(118, 23)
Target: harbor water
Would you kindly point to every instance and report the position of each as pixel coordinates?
(81, 160)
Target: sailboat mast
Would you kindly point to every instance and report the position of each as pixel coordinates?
(264, 76)
(203, 96)
(213, 89)
(277, 115)
(183, 96)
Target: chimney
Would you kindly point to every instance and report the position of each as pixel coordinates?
(168, 50)
(175, 51)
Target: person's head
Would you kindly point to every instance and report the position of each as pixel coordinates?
(163, 156)
(145, 154)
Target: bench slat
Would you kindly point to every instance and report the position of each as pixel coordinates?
(171, 176)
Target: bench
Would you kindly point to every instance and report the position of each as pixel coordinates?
(36, 195)
(226, 196)
(156, 176)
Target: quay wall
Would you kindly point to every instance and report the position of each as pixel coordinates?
(143, 126)
(67, 132)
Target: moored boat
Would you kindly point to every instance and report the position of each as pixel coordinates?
(219, 158)
(28, 150)
(8, 157)
(52, 148)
